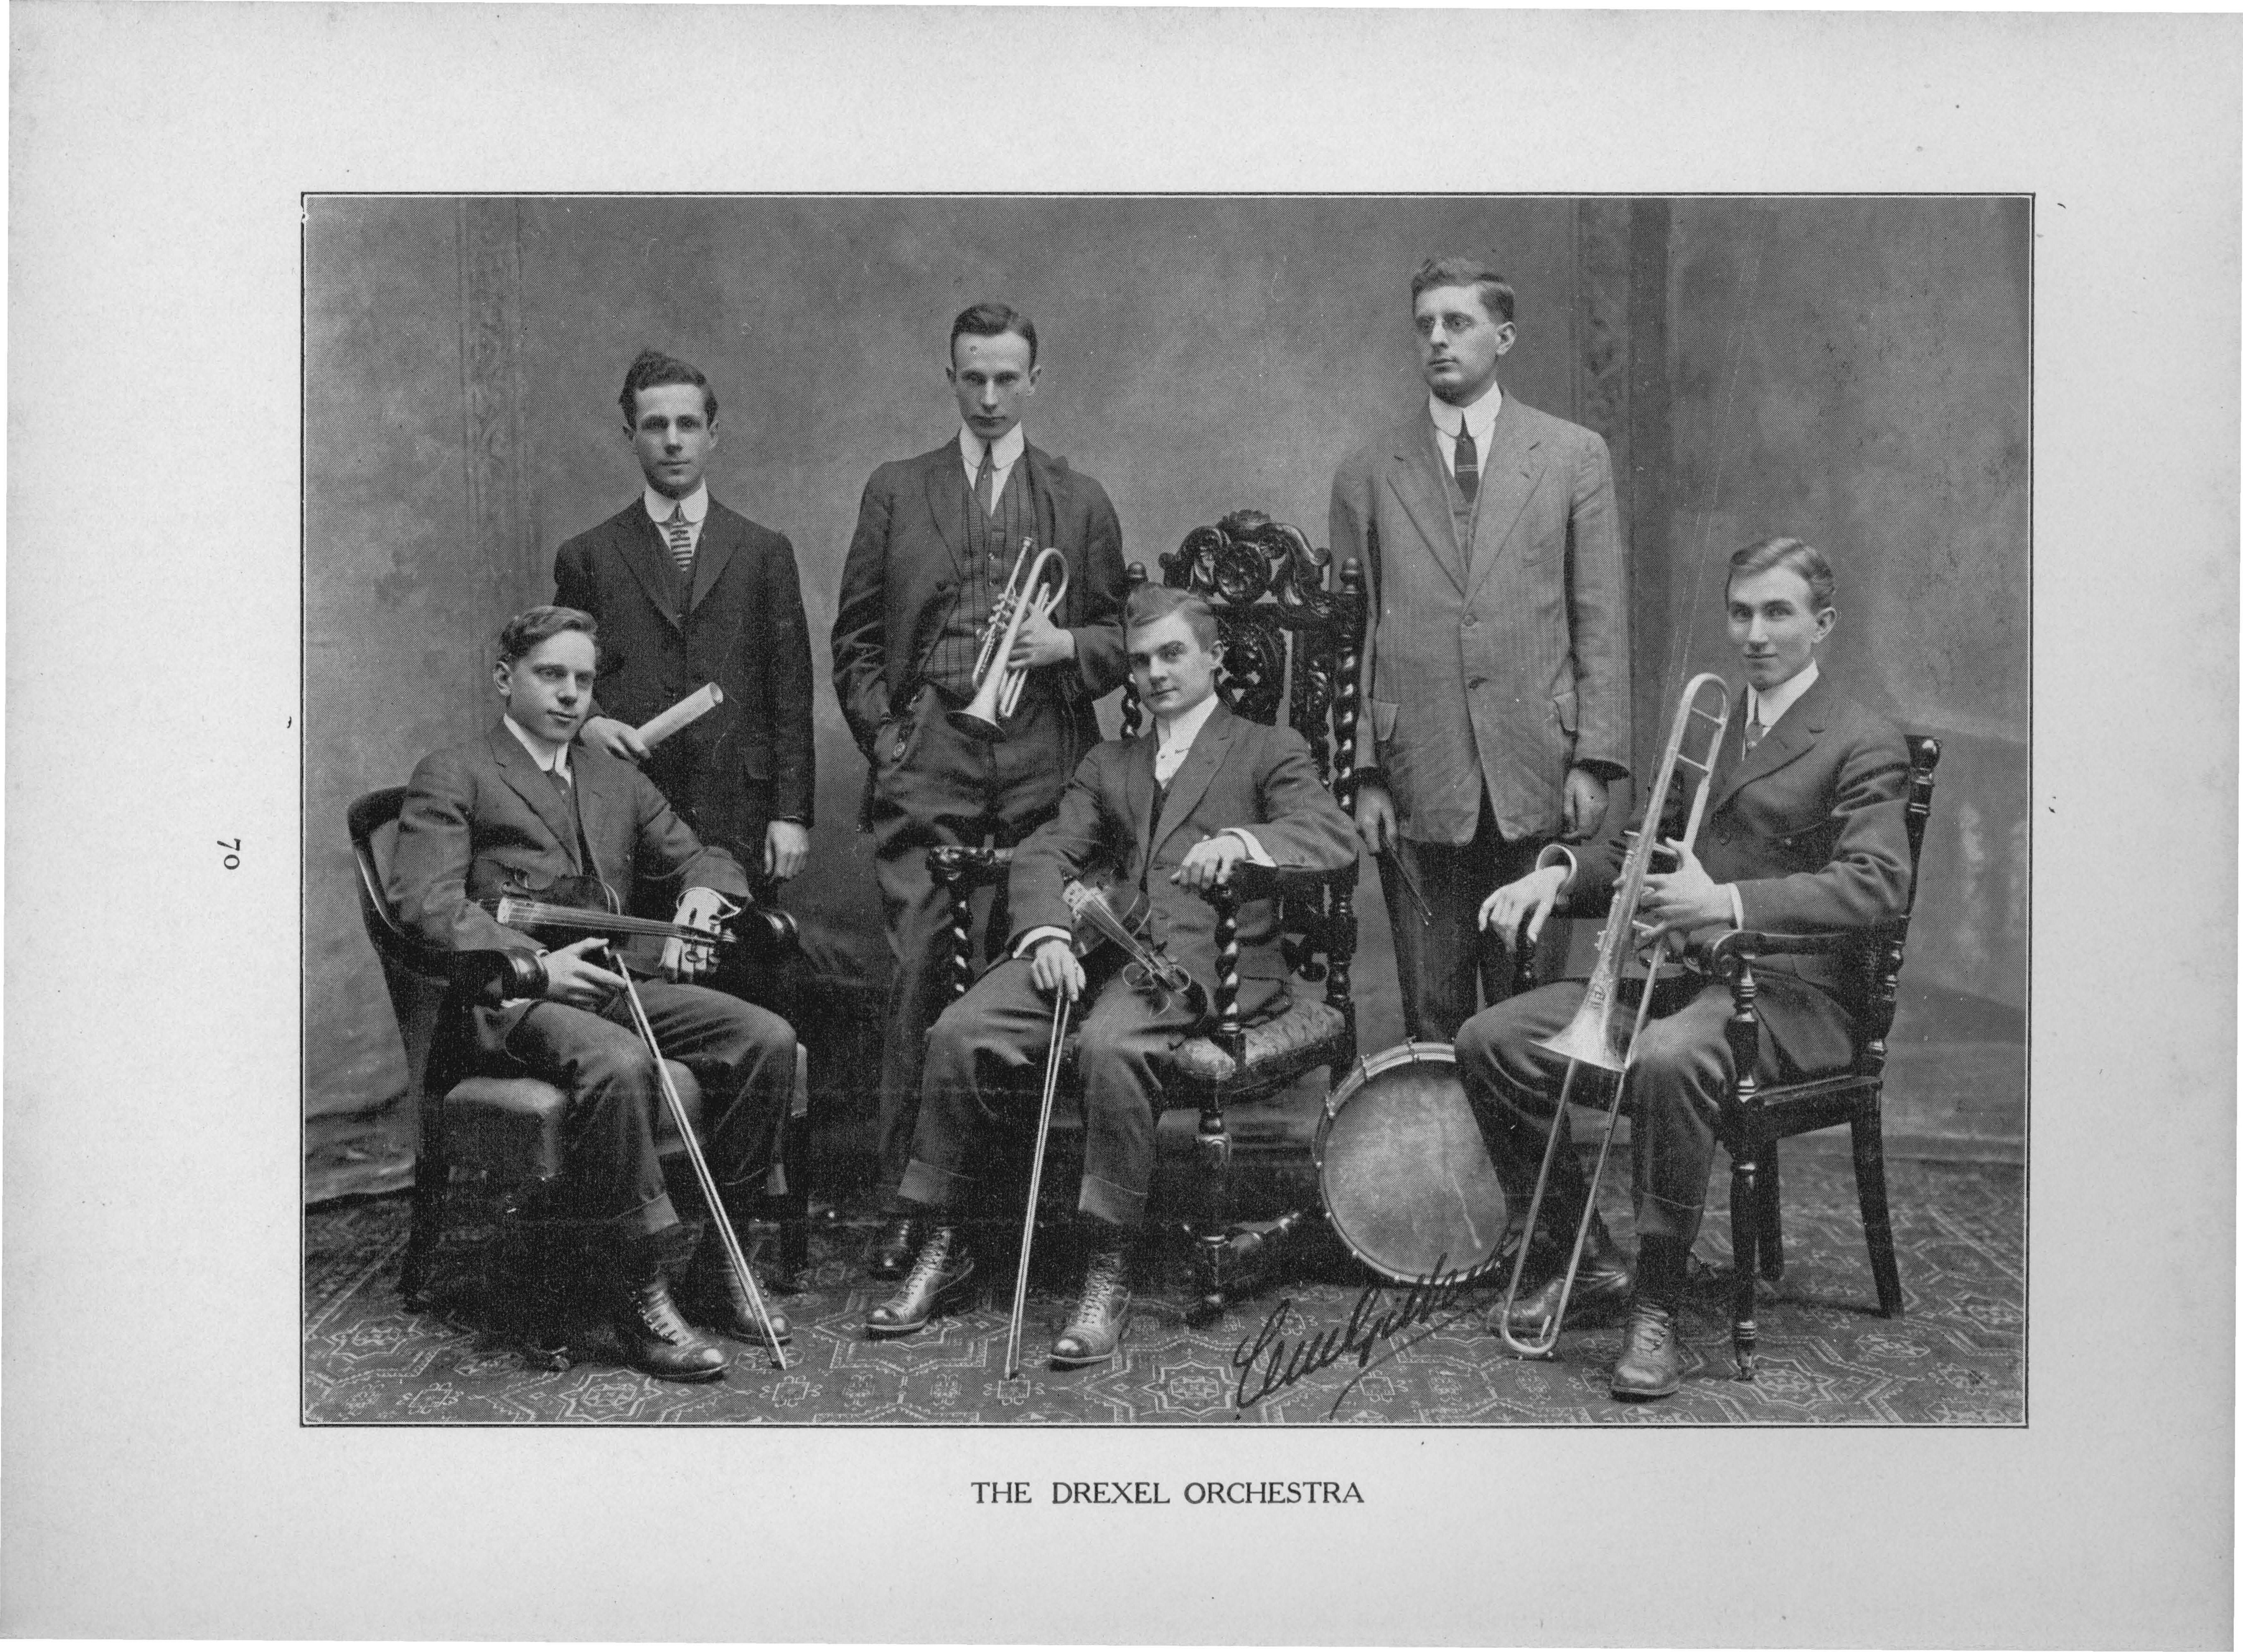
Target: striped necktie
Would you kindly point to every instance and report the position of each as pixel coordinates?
(985, 483)
(1467, 462)
(680, 534)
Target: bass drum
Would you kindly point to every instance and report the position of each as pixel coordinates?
(1405, 1176)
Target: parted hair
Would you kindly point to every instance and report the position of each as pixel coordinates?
(1495, 293)
(989, 322)
(534, 625)
(653, 367)
(1798, 555)
(1148, 604)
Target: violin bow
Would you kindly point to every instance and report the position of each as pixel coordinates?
(1059, 1014)
(710, 1193)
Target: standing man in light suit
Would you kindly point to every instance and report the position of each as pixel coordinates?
(1496, 690)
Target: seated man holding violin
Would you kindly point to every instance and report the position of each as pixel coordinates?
(1164, 816)
(1804, 832)
(525, 812)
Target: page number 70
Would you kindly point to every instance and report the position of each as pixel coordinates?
(232, 861)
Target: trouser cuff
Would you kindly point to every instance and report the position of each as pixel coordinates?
(932, 1186)
(1108, 1202)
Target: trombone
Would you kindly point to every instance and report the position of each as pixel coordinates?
(996, 687)
(1588, 1037)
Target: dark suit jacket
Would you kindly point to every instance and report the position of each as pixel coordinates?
(753, 758)
(1504, 673)
(1238, 773)
(902, 578)
(476, 812)
(1811, 828)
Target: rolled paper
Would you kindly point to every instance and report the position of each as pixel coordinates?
(662, 724)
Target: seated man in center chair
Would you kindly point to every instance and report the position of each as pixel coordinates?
(1166, 814)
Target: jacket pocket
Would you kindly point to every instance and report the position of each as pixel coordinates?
(1382, 713)
(1567, 706)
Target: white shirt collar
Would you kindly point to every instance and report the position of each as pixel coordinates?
(1479, 415)
(1781, 698)
(659, 505)
(1177, 737)
(549, 757)
(1004, 451)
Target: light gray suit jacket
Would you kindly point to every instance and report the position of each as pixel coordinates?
(1504, 672)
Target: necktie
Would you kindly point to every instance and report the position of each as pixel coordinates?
(1754, 731)
(568, 791)
(1467, 464)
(985, 483)
(680, 534)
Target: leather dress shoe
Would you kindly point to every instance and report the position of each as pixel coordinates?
(1650, 1364)
(890, 1257)
(1601, 1288)
(655, 1337)
(1095, 1330)
(938, 1279)
(714, 1297)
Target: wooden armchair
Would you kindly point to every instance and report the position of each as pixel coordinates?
(1267, 585)
(1755, 1118)
(507, 1128)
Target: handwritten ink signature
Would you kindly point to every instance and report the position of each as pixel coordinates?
(1428, 1302)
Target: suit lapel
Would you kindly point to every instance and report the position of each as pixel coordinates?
(646, 553)
(1199, 767)
(1415, 477)
(1793, 737)
(947, 501)
(534, 787)
(713, 555)
(1509, 475)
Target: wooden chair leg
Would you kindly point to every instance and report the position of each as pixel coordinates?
(1877, 1216)
(1211, 1256)
(432, 1176)
(1767, 1218)
(1744, 1211)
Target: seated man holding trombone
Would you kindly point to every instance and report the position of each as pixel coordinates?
(1164, 815)
(1804, 832)
(503, 836)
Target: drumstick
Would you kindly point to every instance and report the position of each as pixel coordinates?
(662, 724)
(1390, 861)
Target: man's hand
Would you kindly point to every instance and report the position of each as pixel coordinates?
(1040, 642)
(685, 959)
(1679, 901)
(1535, 893)
(1585, 797)
(571, 979)
(1374, 818)
(1055, 969)
(786, 849)
(1209, 862)
(616, 739)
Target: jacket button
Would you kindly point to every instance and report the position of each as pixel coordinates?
(1471, 619)
(1721, 836)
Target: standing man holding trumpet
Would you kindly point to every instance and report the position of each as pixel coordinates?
(968, 684)
(1804, 832)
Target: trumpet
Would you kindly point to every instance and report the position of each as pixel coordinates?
(996, 687)
(1587, 1039)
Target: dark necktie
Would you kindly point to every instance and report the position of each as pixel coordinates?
(1754, 731)
(985, 483)
(1467, 462)
(1153, 832)
(568, 791)
(680, 535)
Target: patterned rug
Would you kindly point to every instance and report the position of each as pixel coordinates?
(1957, 1357)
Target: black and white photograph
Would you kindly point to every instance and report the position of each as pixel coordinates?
(1456, 495)
(1122, 826)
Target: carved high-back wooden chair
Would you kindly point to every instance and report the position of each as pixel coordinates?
(1755, 1117)
(1289, 644)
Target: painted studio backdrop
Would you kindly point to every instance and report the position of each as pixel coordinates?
(1853, 371)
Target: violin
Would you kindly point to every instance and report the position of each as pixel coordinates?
(587, 906)
(1150, 968)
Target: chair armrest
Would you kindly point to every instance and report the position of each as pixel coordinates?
(1252, 882)
(1731, 950)
(969, 867)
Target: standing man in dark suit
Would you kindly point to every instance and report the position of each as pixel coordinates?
(1166, 814)
(1495, 708)
(936, 538)
(687, 592)
(525, 803)
(1805, 833)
